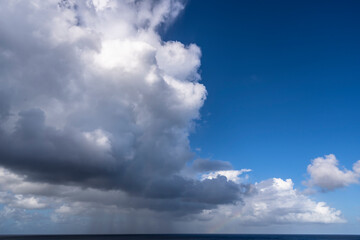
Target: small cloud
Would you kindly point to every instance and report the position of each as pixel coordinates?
(27, 202)
(325, 174)
(231, 175)
(63, 209)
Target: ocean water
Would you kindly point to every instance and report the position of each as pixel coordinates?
(183, 237)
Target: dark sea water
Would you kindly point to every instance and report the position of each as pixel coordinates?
(184, 237)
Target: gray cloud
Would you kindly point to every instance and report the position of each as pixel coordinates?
(270, 202)
(205, 165)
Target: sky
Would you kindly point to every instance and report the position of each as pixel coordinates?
(179, 116)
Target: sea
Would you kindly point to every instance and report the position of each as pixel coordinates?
(182, 237)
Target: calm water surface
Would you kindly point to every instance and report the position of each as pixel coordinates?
(184, 237)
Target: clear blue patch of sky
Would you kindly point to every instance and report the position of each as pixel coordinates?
(283, 81)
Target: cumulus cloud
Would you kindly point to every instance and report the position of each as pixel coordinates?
(277, 201)
(325, 173)
(95, 116)
(27, 202)
(270, 202)
(95, 97)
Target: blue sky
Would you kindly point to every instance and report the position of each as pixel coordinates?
(283, 82)
(179, 117)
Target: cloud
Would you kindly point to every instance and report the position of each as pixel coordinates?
(95, 100)
(276, 201)
(231, 175)
(205, 165)
(270, 202)
(27, 202)
(92, 98)
(325, 174)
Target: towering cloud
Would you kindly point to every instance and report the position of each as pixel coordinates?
(94, 98)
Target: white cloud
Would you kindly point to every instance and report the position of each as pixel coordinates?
(127, 55)
(63, 209)
(271, 202)
(99, 138)
(231, 175)
(175, 54)
(325, 173)
(27, 202)
(277, 201)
